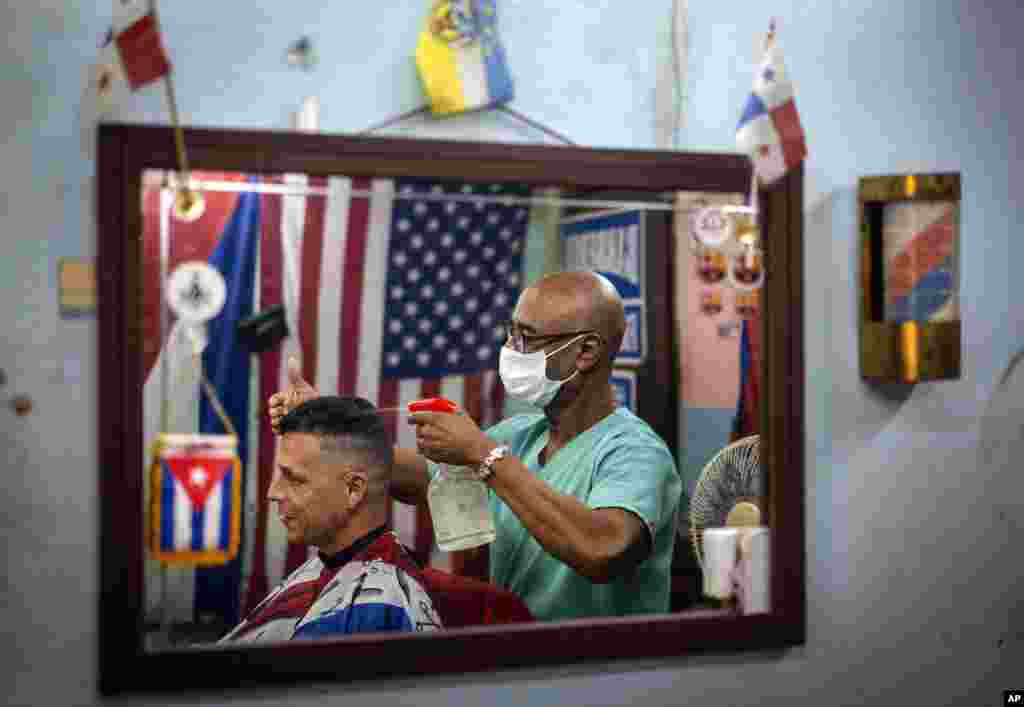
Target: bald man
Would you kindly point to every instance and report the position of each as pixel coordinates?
(584, 494)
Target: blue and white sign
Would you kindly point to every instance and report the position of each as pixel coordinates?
(624, 384)
(608, 242)
(634, 343)
(611, 243)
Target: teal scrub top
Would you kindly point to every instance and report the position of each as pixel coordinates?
(618, 463)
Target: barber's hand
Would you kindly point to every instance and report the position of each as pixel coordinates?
(450, 438)
(299, 391)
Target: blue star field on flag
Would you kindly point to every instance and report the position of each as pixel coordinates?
(454, 273)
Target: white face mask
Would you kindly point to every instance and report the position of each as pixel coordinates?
(525, 376)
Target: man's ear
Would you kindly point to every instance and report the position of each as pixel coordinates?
(356, 483)
(591, 349)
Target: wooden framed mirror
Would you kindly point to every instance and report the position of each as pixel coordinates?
(127, 663)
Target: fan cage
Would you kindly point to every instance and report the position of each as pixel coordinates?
(745, 453)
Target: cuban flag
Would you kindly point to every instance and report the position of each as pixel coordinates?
(769, 129)
(196, 489)
(460, 58)
(919, 251)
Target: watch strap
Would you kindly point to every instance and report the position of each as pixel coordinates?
(486, 468)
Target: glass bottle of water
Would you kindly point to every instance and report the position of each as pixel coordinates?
(460, 509)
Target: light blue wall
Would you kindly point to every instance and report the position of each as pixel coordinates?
(914, 495)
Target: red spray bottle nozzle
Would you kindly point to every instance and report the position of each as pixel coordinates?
(433, 405)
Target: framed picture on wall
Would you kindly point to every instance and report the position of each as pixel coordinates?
(624, 382)
(611, 243)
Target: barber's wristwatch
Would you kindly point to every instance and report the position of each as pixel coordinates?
(484, 471)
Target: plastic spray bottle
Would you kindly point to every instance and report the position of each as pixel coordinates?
(458, 500)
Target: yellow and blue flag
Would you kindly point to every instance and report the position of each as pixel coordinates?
(460, 59)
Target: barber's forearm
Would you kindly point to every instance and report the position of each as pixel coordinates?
(409, 478)
(569, 530)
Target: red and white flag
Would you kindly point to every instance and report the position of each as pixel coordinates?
(139, 48)
(131, 56)
(769, 129)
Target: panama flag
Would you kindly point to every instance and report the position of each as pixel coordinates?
(769, 129)
(196, 488)
(460, 58)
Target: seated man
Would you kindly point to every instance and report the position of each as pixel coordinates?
(331, 485)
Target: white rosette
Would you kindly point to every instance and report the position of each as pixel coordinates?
(196, 293)
(712, 227)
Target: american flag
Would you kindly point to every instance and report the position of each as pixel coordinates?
(394, 296)
(388, 295)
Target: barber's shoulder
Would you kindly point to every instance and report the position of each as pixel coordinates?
(627, 424)
(631, 432)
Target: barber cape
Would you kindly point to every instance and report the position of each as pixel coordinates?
(380, 588)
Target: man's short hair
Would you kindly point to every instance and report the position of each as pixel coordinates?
(342, 423)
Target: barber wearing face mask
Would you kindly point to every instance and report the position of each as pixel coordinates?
(584, 494)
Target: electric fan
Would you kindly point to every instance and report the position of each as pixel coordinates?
(730, 491)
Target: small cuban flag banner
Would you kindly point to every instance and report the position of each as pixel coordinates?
(769, 129)
(460, 59)
(195, 513)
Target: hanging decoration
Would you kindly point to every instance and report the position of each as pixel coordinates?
(195, 479)
(195, 491)
(711, 302)
(460, 58)
(726, 244)
(769, 129)
(301, 54)
(727, 239)
(748, 303)
(131, 57)
(196, 293)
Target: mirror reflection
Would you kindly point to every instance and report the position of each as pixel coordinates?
(414, 405)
